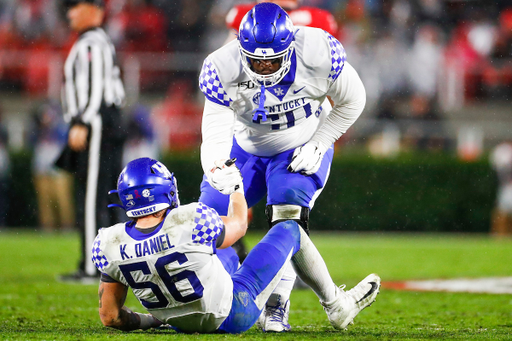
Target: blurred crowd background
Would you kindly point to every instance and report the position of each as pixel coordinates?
(419, 59)
(438, 73)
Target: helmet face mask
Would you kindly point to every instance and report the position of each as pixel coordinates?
(266, 33)
(145, 186)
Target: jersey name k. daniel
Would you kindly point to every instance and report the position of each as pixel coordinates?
(295, 105)
(173, 271)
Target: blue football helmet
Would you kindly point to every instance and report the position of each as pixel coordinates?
(266, 32)
(146, 186)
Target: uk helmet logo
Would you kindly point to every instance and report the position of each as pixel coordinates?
(256, 98)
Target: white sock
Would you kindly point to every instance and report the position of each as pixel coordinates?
(311, 268)
(284, 287)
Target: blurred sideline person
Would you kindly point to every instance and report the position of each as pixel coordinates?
(92, 96)
(300, 16)
(53, 186)
(178, 263)
(140, 135)
(5, 171)
(501, 160)
(266, 106)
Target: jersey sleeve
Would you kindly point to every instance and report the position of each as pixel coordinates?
(349, 97)
(208, 225)
(338, 57)
(211, 86)
(98, 256)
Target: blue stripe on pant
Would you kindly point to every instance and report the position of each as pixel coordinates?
(261, 270)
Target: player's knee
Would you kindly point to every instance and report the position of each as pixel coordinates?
(290, 227)
(280, 213)
(291, 192)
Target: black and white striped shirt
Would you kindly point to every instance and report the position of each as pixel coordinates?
(91, 77)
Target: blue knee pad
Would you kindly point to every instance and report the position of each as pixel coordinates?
(259, 269)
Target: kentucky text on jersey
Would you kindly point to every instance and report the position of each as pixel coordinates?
(148, 247)
(286, 105)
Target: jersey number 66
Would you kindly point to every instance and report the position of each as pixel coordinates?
(168, 280)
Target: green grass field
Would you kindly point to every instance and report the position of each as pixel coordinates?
(34, 306)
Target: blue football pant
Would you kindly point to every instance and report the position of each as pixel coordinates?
(259, 275)
(270, 176)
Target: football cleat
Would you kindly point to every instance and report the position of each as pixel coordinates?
(344, 308)
(275, 318)
(260, 323)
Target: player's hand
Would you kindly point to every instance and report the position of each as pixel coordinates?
(307, 158)
(77, 138)
(225, 177)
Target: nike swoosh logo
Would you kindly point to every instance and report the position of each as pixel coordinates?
(296, 91)
(372, 290)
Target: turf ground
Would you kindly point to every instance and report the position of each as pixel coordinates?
(34, 306)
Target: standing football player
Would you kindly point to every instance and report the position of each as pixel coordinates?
(167, 254)
(266, 107)
(300, 16)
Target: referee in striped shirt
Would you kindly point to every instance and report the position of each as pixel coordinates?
(93, 94)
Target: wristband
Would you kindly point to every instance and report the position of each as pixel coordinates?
(146, 321)
(240, 188)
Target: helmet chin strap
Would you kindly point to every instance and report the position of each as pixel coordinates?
(261, 107)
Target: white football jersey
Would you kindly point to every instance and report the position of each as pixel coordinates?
(296, 106)
(173, 271)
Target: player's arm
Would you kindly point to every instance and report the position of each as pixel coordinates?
(217, 134)
(114, 314)
(349, 98)
(235, 223)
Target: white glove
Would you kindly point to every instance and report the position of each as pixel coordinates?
(307, 158)
(225, 177)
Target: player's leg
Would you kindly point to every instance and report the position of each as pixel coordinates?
(229, 259)
(290, 197)
(254, 282)
(341, 307)
(259, 274)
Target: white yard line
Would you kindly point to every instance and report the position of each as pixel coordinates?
(491, 285)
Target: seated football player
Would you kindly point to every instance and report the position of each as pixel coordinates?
(177, 261)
